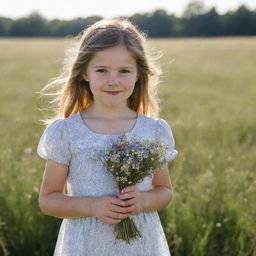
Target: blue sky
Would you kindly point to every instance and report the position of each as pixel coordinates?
(67, 9)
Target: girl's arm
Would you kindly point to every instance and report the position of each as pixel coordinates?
(161, 194)
(53, 202)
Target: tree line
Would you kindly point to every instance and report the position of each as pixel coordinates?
(195, 21)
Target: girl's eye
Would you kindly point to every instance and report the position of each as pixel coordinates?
(101, 70)
(125, 71)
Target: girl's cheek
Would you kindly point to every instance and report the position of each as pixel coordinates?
(131, 80)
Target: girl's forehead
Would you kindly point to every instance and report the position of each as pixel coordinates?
(117, 54)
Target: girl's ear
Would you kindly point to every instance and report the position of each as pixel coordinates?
(85, 77)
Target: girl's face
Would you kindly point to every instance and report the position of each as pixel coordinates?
(112, 70)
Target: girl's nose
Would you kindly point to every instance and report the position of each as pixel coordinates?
(113, 79)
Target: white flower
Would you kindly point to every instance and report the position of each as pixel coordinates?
(218, 225)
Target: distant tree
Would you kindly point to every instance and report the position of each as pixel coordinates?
(70, 27)
(239, 22)
(156, 24)
(210, 24)
(194, 9)
(192, 16)
(177, 26)
(160, 23)
(140, 20)
(5, 24)
(31, 26)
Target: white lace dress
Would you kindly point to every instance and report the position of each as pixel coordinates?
(69, 141)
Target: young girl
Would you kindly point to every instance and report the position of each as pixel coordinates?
(110, 90)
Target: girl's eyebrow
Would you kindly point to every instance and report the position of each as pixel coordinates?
(102, 66)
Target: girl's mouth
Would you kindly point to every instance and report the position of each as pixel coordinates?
(112, 93)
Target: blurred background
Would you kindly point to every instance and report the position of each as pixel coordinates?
(179, 18)
(207, 94)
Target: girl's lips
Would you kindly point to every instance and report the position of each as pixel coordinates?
(112, 93)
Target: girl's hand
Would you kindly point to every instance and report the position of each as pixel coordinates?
(132, 197)
(109, 209)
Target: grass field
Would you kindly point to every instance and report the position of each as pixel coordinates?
(208, 96)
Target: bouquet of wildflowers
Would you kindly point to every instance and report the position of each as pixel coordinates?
(129, 163)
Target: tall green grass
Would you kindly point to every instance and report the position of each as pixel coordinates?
(208, 98)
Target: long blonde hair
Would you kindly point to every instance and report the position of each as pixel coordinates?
(73, 93)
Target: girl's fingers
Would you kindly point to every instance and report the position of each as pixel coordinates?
(127, 195)
(118, 216)
(130, 202)
(130, 209)
(128, 189)
(118, 209)
(118, 201)
(112, 221)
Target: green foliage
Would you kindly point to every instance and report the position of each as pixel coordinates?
(208, 98)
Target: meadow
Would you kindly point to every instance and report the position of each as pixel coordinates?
(208, 97)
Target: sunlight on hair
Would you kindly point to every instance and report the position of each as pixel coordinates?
(70, 93)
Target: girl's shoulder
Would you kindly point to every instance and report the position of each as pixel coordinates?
(157, 126)
(157, 123)
(59, 129)
(160, 129)
(59, 122)
(63, 123)
(54, 142)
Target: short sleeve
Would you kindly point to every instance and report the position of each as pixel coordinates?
(54, 142)
(165, 136)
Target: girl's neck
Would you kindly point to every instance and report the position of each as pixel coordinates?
(95, 112)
